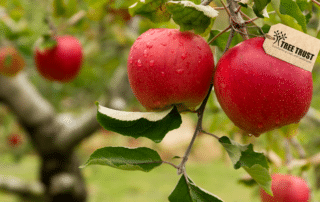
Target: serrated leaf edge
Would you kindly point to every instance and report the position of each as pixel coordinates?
(207, 10)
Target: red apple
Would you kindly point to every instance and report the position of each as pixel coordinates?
(259, 92)
(167, 67)
(62, 62)
(11, 62)
(287, 188)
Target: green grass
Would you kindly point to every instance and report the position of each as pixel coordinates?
(109, 184)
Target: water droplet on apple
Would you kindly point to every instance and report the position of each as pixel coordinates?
(152, 32)
(250, 135)
(163, 43)
(149, 45)
(198, 47)
(183, 56)
(145, 53)
(180, 43)
(139, 63)
(180, 71)
(131, 60)
(162, 74)
(151, 63)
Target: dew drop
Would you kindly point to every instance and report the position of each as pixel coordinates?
(163, 43)
(198, 47)
(145, 53)
(139, 63)
(151, 63)
(149, 45)
(250, 135)
(152, 32)
(131, 60)
(180, 71)
(162, 74)
(183, 56)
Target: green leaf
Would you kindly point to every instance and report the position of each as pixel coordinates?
(46, 42)
(71, 7)
(291, 8)
(259, 5)
(190, 16)
(155, 10)
(304, 4)
(254, 163)
(123, 158)
(187, 191)
(152, 125)
(95, 4)
(59, 8)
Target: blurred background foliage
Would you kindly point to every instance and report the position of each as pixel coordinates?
(106, 32)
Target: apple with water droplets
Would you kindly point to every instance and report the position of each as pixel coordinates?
(259, 92)
(167, 67)
(287, 188)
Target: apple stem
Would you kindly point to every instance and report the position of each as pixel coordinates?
(200, 112)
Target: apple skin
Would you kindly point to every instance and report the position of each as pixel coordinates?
(167, 67)
(286, 188)
(259, 92)
(16, 62)
(61, 63)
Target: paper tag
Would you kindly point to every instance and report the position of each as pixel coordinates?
(292, 46)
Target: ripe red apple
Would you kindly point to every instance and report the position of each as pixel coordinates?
(11, 62)
(259, 92)
(14, 140)
(167, 67)
(287, 188)
(62, 62)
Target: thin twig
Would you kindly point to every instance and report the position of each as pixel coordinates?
(219, 8)
(229, 41)
(167, 162)
(181, 166)
(223, 31)
(211, 134)
(316, 2)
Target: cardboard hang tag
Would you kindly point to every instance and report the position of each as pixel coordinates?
(292, 46)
